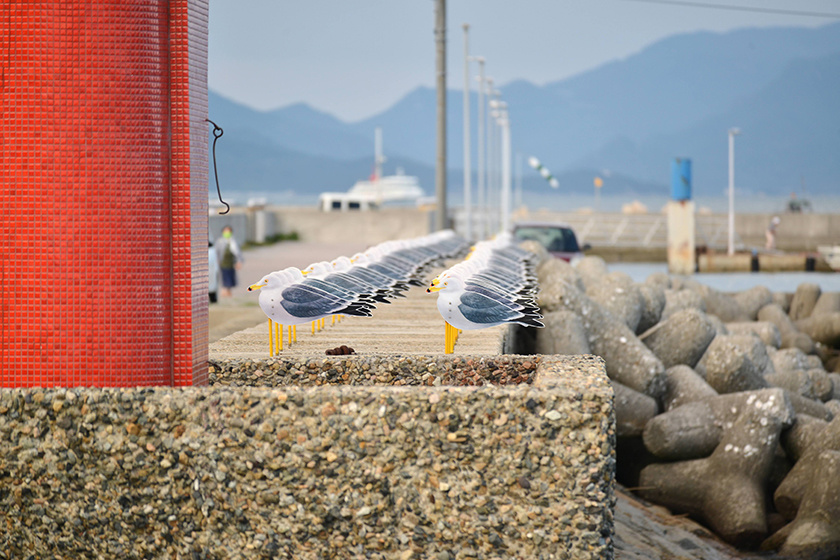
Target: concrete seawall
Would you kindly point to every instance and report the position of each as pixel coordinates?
(797, 232)
(340, 472)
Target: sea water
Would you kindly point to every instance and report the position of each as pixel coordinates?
(739, 281)
(560, 200)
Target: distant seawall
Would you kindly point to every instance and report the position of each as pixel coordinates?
(797, 232)
(313, 225)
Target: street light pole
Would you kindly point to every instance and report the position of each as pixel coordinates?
(481, 187)
(497, 160)
(730, 247)
(518, 200)
(467, 164)
(440, 67)
(498, 114)
(504, 124)
(490, 161)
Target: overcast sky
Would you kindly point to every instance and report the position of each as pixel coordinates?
(355, 58)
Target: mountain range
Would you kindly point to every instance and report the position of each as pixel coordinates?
(625, 120)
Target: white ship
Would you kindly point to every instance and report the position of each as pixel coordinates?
(372, 193)
(399, 187)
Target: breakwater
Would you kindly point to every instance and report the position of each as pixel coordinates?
(615, 233)
(717, 395)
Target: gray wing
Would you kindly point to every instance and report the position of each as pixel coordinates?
(483, 310)
(303, 301)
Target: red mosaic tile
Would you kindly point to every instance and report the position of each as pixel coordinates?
(103, 258)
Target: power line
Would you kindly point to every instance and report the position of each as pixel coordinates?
(741, 8)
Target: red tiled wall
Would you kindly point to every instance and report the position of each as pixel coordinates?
(103, 183)
(189, 90)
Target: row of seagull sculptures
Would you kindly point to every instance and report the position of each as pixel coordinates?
(350, 285)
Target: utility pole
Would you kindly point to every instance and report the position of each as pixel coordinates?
(440, 67)
(467, 164)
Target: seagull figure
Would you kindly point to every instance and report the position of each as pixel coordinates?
(493, 286)
(287, 300)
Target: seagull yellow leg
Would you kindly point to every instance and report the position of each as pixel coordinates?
(321, 322)
(448, 339)
(333, 320)
(445, 337)
(270, 338)
(290, 335)
(278, 331)
(313, 327)
(294, 333)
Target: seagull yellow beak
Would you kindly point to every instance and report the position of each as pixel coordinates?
(253, 287)
(434, 287)
(305, 272)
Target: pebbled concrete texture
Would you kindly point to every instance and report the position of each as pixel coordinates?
(341, 471)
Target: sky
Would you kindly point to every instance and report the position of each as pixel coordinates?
(356, 58)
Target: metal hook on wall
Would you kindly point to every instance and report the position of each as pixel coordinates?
(217, 133)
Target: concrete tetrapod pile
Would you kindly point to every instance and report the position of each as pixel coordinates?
(727, 405)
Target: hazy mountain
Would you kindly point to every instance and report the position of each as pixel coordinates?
(297, 127)
(675, 98)
(252, 163)
(683, 79)
(790, 133)
(668, 86)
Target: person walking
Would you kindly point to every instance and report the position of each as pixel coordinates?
(770, 234)
(213, 273)
(230, 260)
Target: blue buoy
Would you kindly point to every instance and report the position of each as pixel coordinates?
(681, 179)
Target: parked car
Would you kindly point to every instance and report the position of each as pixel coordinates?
(558, 239)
